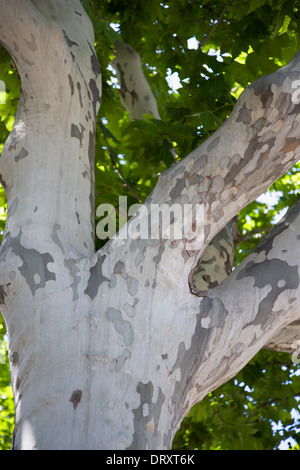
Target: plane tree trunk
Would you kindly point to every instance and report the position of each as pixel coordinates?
(110, 349)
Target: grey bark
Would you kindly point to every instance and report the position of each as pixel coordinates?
(109, 350)
(217, 261)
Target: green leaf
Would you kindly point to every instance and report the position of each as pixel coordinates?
(209, 120)
(102, 27)
(278, 23)
(254, 4)
(107, 133)
(146, 127)
(86, 5)
(285, 25)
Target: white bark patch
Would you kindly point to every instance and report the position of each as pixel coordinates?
(146, 409)
(37, 278)
(205, 322)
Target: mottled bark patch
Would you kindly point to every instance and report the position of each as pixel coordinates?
(71, 83)
(178, 188)
(15, 358)
(245, 115)
(277, 274)
(22, 154)
(188, 360)
(34, 268)
(132, 282)
(71, 265)
(78, 133)
(263, 89)
(239, 168)
(96, 96)
(131, 309)
(121, 326)
(266, 244)
(95, 62)
(79, 94)
(69, 41)
(157, 258)
(96, 278)
(146, 418)
(214, 313)
(75, 398)
(3, 294)
(55, 237)
(198, 165)
(140, 246)
(120, 361)
(213, 143)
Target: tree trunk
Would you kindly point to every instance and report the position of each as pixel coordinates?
(109, 350)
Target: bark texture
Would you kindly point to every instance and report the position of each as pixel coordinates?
(217, 260)
(138, 99)
(109, 350)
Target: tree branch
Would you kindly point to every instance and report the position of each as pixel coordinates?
(135, 93)
(274, 400)
(53, 45)
(116, 165)
(19, 18)
(286, 340)
(241, 315)
(204, 40)
(23, 23)
(217, 261)
(256, 145)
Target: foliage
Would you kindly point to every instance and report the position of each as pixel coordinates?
(215, 49)
(6, 398)
(253, 411)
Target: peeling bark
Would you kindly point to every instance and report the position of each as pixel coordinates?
(111, 349)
